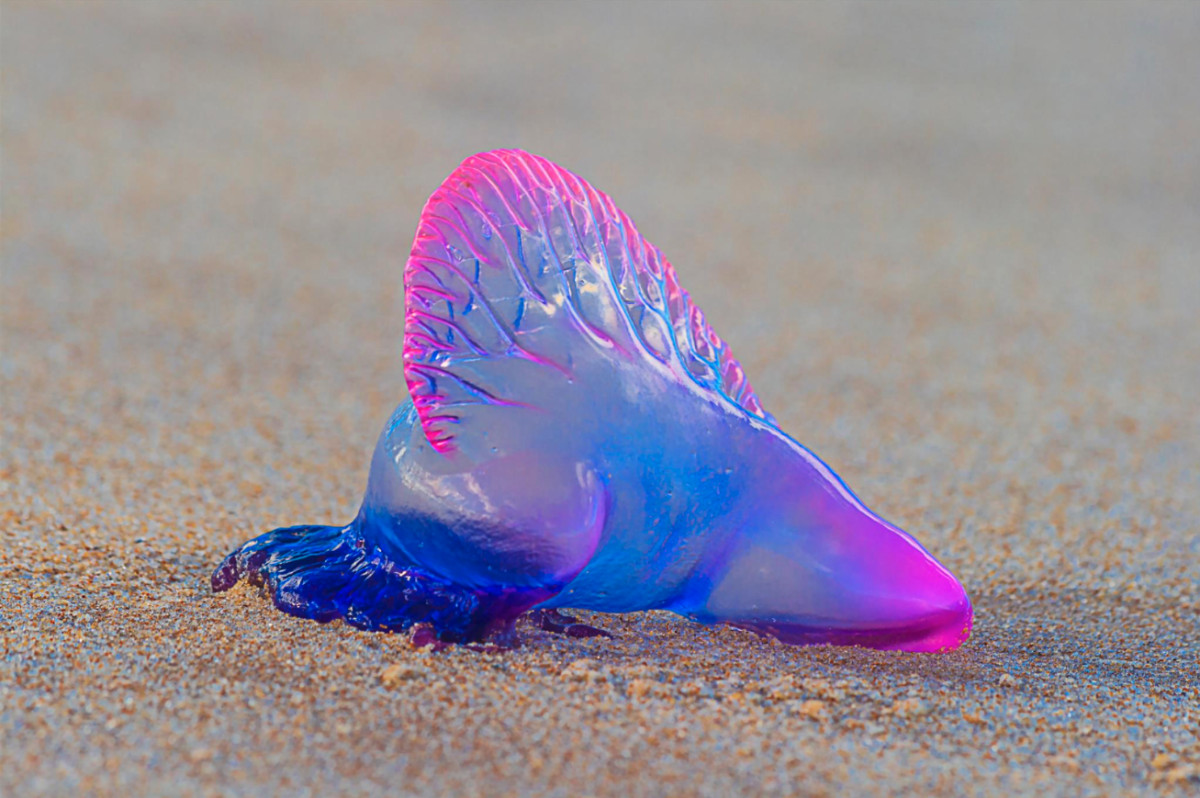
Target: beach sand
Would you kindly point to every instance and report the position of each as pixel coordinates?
(956, 249)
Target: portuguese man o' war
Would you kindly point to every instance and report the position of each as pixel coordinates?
(579, 437)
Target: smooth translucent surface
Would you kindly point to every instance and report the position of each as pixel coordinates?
(578, 436)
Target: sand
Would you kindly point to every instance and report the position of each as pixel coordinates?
(956, 249)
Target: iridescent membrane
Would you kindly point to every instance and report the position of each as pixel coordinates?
(579, 436)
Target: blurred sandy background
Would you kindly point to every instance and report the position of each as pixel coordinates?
(956, 247)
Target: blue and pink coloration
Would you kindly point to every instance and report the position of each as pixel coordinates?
(578, 436)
